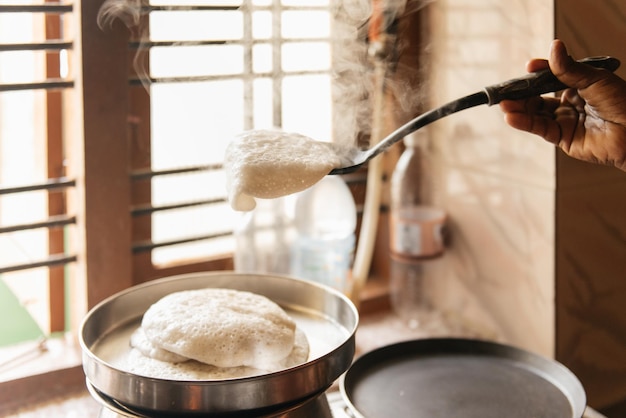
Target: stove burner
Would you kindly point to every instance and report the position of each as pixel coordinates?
(327, 405)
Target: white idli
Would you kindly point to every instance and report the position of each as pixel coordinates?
(221, 327)
(139, 341)
(138, 363)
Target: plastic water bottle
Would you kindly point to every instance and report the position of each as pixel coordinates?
(325, 223)
(417, 229)
(264, 236)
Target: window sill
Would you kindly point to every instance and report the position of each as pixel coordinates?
(33, 373)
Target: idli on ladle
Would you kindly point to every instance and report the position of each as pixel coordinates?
(267, 164)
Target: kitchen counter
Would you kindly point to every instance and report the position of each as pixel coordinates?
(74, 405)
(375, 330)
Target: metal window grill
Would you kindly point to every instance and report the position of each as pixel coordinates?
(51, 44)
(54, 44)
(48, 46)
(144, 174)
(247, 75)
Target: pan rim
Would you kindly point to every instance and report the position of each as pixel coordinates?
(329, 306)
(575, 395)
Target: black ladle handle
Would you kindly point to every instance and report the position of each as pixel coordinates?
(540, 82)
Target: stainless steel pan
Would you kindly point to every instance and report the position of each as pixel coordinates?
(460, 378)
(326, 316)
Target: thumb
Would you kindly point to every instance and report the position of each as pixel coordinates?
(570, 72)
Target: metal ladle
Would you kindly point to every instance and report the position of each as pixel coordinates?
(532, 84)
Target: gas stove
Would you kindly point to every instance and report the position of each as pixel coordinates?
(327, 405)
(337, 404)
(337, 408)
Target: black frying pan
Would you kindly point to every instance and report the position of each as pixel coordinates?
(460, 378)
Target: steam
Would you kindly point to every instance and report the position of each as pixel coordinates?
(356, 54)
(352, 81)
(128, 11)
(353, 54)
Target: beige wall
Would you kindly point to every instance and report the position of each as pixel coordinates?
(496, 183)
(530, 228)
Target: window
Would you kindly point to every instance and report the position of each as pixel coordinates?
(33, 73)
(102, 185)
(221, 77)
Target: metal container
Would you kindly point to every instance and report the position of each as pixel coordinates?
(327, 317)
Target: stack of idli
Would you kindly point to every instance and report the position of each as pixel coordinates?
(212, 333)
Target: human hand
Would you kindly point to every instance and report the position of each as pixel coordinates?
(588, 122)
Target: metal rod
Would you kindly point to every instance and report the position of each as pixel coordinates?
(152, 44)
(51, 7)
(149, 209)
(54, 260)
(186, 8)
(149, 245)
(195, 79)
(51, 45)
(52, 222)
(50, 184)
(148, 174)
(41, 85)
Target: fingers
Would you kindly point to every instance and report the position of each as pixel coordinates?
(569, 71)
(540, 106)
(537, 65)
(571, 98)
(535, 115)
(538, 125)
(547, 128)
